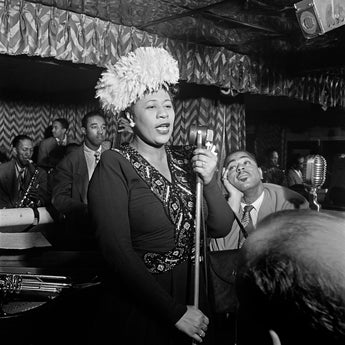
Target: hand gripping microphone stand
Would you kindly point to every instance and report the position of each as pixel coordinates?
(197, 136)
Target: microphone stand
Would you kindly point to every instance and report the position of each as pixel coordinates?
(199, 193)
(313, 204)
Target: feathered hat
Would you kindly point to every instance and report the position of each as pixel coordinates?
(146, 69)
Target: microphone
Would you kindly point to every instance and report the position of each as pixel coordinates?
(314, 171)
(314, 176)
(205, 136)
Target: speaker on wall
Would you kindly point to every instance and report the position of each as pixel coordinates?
(317, 17)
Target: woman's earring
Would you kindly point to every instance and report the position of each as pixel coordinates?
(130, 120)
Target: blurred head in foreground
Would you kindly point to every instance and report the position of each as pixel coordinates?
(291, 281)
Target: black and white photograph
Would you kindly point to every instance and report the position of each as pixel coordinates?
(172, 172)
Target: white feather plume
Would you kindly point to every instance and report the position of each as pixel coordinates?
(146, 69)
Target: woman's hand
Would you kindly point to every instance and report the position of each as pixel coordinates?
(205, 163)
(194, 323)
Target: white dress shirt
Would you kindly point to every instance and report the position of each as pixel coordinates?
(91, 159)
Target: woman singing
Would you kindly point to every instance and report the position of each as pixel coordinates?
(142, 202)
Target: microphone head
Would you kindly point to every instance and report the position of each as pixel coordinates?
(314, 171)
(209, 136)
(206, 135)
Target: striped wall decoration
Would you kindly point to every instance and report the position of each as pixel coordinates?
(32, 118)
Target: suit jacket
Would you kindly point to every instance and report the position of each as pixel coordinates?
(274, 175)
(70, 183)
(276, 198)
(69, 198)
(9, 191)
(50, 153)
(293, 178)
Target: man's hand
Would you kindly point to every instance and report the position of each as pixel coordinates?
(235, 195)
(231, 189)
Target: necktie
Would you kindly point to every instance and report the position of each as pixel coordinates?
(247, 223)
(21, 178)
(97, 157)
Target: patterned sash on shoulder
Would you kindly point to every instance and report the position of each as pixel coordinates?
(178, 201)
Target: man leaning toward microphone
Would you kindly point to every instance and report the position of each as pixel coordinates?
(242, 179)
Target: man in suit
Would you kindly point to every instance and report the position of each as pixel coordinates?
(251, 200)
(294, 175)
(18, 174)
(51, 150)
(271, 172)
(71, 180)
(243, 180)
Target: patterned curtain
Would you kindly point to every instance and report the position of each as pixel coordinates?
(32, 118)
(35, 29)
(39, 30)
(226, 120)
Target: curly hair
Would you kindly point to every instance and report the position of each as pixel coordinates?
(292, 277)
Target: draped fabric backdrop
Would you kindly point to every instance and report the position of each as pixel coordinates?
(35, 29)
(32, 118)
(68, 33)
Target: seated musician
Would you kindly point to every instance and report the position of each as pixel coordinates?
(22, 184)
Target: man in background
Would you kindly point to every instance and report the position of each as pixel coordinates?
(271, 171)
(291, 281)
(3, 156)
(294, 175)
(21, 183)
(71, 180)
(51, 150)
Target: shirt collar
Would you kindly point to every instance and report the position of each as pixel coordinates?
(62, 142)
(88, 150)
(257, 203)
(18, 168)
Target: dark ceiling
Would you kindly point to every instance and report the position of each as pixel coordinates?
(38, 78)
(266, 29)
(260, 28)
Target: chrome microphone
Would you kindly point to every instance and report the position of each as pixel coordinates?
(205, 134)
(314, 171)
(314, 176)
